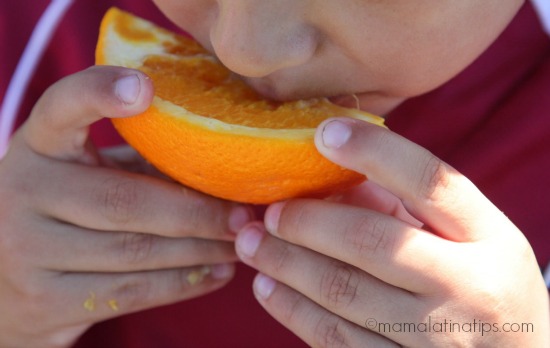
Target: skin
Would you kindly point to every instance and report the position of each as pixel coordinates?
(382, 51)
(119, 239)
(388, 250)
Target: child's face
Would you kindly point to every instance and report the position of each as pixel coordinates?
(383, 51)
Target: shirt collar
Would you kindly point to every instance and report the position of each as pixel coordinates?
(542, 7)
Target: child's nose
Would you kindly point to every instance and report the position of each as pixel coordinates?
(255, 38)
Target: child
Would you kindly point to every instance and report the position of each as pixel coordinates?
(415, 257)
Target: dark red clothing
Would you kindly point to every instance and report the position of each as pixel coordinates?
(492, 122)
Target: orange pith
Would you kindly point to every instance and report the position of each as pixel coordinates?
(208, 130)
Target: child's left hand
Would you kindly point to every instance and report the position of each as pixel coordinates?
(416, 257)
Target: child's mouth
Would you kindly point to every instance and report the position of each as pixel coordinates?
(264, 87)
(373, 102)
(347, 101)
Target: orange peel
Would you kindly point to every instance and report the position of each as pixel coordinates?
(210, 131)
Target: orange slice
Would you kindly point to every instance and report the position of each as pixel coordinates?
(208, 130)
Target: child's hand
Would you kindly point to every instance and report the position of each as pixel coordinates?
(458, 273)
(82, 241)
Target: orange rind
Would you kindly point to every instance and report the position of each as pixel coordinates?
(210, 131)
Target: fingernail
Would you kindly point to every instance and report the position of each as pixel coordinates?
(221, 271)
(335, 134)
(264, 286)
(248, 241)
(127, 89)
(238, 218)
(272, 216)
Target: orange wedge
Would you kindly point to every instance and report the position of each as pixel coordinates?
(208, 130)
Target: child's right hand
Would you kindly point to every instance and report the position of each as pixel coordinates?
(81, 242)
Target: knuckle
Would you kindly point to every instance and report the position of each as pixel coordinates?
(433, 181)
(34, 296)
(45, 107)
(297, 215)
(293, 310)
(144, 290)
(284, 260)
(120, 200)
(12, 254)
(370, 238)
(330, 332)
(135, 292)
(196, 215)
(17, 184)
(135, 247)
(17, 250)
(339, 285)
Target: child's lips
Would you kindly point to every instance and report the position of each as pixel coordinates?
(263, 87)
(271, 88)
(277, 90)
(376, 103)
(347, 101)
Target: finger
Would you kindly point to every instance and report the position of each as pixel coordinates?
(126, 158)
(93, 297)
(371, 196)
(66, 248)
(387, 248)
(312, 323)
(336, 286)
(58, 125)
(431, 190)
(111, 200)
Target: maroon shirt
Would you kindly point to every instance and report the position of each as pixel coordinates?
(491, 122)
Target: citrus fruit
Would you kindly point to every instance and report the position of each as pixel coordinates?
(210, 131)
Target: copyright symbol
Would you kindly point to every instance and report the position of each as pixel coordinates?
(371, 323)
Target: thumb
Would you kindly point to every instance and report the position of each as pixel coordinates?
(59, 123)
(430, 189)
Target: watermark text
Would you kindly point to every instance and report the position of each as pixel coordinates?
(448, 326)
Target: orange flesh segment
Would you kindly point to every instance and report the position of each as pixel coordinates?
(212, 91)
